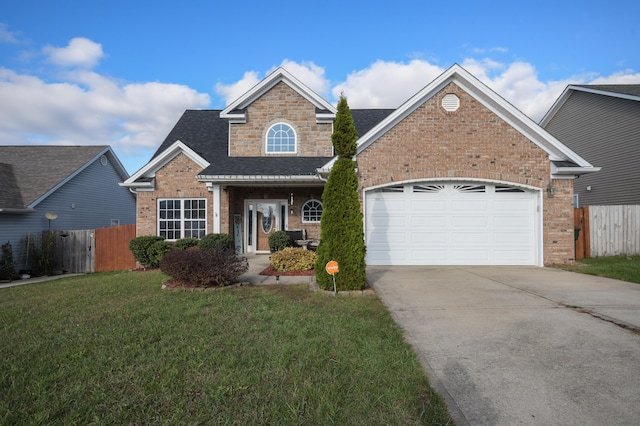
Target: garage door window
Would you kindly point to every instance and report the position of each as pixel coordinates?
(507, 189)
(470, 188)
(428, 188)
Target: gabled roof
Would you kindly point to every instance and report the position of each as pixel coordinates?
(557, 151)
(204, 136)
(623, 91)
(30, 173)
(236, 110)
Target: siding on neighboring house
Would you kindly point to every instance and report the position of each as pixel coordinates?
(605, 131)
(89, 200)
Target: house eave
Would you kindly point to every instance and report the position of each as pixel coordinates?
(16, 210)
(568, 172)
(278, 75)
(258, 180)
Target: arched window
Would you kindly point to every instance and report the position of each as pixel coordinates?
(281, 138)
(311, 211)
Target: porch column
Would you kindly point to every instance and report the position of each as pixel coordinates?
(215, 189)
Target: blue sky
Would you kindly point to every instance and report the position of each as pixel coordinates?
(122, 72)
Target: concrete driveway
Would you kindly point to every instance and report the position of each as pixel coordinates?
(521, 345)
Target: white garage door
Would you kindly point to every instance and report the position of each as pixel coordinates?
(452, 223)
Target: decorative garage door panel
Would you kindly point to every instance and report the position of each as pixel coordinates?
(451, 224)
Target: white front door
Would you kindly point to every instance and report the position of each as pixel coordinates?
(262, 219)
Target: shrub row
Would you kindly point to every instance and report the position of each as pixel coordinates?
(149, 250)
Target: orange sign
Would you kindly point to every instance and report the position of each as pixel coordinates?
(332, 267)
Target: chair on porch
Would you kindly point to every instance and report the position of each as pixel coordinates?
(298, 237)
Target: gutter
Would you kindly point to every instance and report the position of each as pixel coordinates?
(10, 210)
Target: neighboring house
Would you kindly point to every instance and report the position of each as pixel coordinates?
(602, 123)
(455, 175)
(78, 184)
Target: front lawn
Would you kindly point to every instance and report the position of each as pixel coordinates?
(625, 268)
(116, 349)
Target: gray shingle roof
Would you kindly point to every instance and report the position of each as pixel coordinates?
(28, 172)
(624, 89)
(207, 134)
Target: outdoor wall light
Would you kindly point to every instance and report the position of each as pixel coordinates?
(550, 190)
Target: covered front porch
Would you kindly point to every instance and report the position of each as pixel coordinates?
(254, 213)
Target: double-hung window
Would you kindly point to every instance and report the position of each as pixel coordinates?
(182, 218)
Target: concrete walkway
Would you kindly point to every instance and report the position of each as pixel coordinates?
(521, 345)
(258, 262)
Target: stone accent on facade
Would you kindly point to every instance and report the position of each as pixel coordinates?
(281, 104)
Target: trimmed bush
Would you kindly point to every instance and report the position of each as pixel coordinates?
(204, 268)
(7, 265)
(278, 241)
(216, 241)
(139, 246)
(185, 243)
(156, 252)
(293, 259)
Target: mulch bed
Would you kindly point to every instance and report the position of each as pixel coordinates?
(271, 271)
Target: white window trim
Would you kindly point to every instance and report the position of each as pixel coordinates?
(303, 207)
(182, 218)
(295, 140)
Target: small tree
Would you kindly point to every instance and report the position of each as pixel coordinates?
(7, 266)
(342, 233)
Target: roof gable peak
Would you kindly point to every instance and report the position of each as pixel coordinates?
(235, 111)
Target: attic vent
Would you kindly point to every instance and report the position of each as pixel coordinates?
(103, 160)
(450, 102)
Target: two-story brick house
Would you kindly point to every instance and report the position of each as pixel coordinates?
(455, 175)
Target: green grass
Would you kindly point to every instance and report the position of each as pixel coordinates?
(625, 268)
(116, 349)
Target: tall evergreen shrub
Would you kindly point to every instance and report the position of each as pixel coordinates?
(342, 231)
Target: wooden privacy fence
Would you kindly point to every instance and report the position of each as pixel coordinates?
(95, 250)
(581, 223)
(112, 248)
(608, 230)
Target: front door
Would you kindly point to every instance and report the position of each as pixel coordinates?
(263, 218)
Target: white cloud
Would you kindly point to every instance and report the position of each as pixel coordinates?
(7, 36)
(231, 92)
(310, 74)
(84, 107)
(621, 77)
(389, 84)
(80, 52)
(87, 108)
(519, 84)
(386, 84)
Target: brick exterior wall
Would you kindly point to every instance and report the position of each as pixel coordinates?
(177, 179)
(281, 104)
(471, 142)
